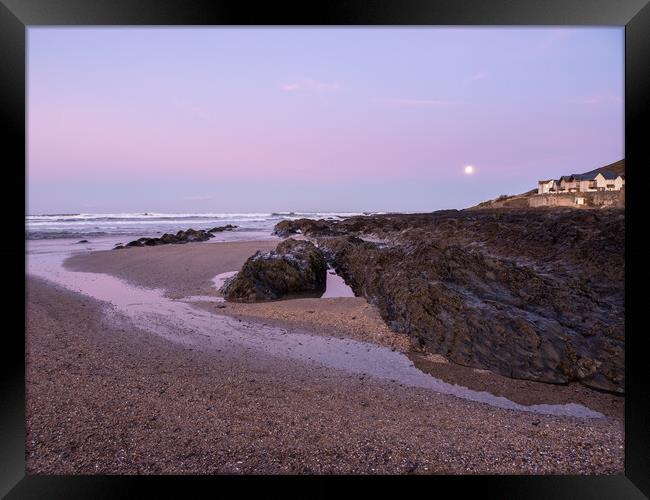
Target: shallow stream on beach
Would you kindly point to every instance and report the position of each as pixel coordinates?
(180, 321)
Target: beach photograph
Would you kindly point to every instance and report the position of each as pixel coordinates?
(325, 250)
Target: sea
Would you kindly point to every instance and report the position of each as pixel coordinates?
(152, 224)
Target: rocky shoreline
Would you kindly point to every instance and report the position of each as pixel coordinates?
(180, 237)
(529, 294)
(105, 397)
(182, 271)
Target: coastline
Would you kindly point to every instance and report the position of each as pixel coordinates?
(407, 259)
(187, 270)
(180, 270)
(106, 397)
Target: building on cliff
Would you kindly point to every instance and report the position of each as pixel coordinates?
(582, 183)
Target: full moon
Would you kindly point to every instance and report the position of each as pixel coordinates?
(469, 170)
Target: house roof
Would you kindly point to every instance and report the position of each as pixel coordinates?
(589, 176)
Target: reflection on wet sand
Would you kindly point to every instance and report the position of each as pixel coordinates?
(181, 322)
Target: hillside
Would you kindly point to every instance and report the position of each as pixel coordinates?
(618, 167)
(521, 200)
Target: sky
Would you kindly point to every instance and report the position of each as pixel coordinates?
(314, 119)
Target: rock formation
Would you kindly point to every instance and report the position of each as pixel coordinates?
(180, 237)
(294, 268)
(530, 294)
(219, 229)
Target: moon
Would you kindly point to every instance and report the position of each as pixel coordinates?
(469, 170)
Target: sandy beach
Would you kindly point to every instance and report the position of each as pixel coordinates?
(180, 270)
(326, 251)
(105, 395)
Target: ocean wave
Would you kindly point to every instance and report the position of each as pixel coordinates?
(142, 216)
(51, 235)
(84, 225)
(135, 222)
(157, 215)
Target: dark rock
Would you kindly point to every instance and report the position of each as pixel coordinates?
(193, 235)
(153, 242)
(82, 241)
(168, 238)
(178, 238)
(285, 228)
(306, 226)
(529, 294)
(227, 227)
(294, 268)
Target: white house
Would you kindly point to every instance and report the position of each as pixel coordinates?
(548, 186)
(607, 181)
(568, 184)
(582, 183)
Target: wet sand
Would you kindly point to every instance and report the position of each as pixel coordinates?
(339, 317)
(106, 397)
(182, 270)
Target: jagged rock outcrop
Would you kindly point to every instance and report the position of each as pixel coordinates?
(528, 294)
(167, 239)
(294, 268)
(219, 229)
(305, 226)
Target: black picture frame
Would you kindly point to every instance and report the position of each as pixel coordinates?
(18, 15)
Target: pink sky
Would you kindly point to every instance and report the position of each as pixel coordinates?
(188, 113)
